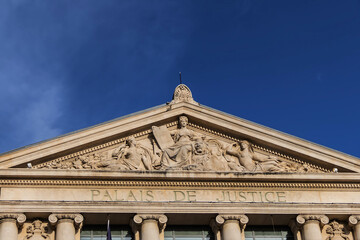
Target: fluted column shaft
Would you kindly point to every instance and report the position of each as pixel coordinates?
(229, 227)
(66, 225)
(354, 222)
(149, 227)
(311, 226)
(9, 225)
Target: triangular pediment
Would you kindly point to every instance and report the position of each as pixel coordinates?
(181, 136)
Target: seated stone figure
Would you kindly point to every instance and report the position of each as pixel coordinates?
(132, 156)
(180, 153)
(252, 161)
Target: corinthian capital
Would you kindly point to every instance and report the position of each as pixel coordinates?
(354, 220)
(76, 217)
(302, 219)
(18, 217)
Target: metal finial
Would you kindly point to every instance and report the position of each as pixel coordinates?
(180, 77)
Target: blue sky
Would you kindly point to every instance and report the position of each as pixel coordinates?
(290, 65)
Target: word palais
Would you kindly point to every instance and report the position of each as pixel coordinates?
(179, 171)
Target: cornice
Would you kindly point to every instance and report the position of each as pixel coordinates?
(176, 207)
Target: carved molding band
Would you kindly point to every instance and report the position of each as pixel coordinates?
(302, 219)
(77, 218)
(36, 182)
(19, 217)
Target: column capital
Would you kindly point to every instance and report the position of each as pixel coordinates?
(354, 220)
(137, 221)
(160, 218)
(221, 218)
(76, 217)
(303, 218)
(20, 218)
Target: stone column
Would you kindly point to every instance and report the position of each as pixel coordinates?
(354, 222)
(9, 223)
(311, 226)
(148, 227)
(67, 225)
(229, 227)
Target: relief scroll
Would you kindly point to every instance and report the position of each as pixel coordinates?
(183, 149)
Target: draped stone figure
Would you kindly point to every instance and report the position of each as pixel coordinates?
(180, 153)
(250, 160)
(132, 156)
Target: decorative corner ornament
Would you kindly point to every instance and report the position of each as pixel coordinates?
(337, 231)
(182, 94)
(37, 231)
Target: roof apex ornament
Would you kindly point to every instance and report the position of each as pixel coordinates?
(183, 94)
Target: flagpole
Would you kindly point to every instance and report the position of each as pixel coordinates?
(108, 234)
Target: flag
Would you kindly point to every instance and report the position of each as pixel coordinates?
(108, 234)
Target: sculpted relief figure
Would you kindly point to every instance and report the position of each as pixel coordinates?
(250, 160)
(208, 155)
(132, 156)
(184, 149)
(37, 231)
(179, 154)
(337, 231)
(181, 149)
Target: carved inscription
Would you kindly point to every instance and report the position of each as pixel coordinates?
(187, 196)
(255, 196)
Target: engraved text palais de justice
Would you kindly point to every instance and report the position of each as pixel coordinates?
(186, 196)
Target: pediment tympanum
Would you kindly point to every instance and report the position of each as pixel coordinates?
(184, 146)
(181, 136)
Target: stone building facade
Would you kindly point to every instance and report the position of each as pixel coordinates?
(179, 165)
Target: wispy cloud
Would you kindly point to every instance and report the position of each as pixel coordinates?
(30, 87)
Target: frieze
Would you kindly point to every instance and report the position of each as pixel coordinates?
(169, 147)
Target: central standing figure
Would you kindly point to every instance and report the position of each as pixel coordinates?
(180, 154)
